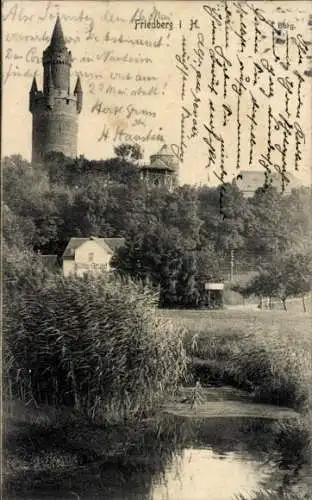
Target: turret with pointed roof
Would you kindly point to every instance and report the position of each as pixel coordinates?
(78, 93)
(34, 87)
(162, 170)
(166, 156)
(32, 94)
(55, 109)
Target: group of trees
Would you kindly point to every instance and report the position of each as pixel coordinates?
(289, 275)
(175, 239)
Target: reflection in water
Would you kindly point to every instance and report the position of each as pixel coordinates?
(171, 459)
(202, 474)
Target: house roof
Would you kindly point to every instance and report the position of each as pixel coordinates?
(158, 164)
(115, 243)
(109, 244)
(253, 179)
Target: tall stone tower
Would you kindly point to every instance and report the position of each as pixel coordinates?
(55, 109)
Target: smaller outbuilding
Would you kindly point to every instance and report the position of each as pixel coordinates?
(212, 296)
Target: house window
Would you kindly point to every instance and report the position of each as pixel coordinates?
(91, 257)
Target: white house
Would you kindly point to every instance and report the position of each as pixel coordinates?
(93, 254)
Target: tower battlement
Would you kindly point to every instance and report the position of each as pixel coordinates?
(55, 109)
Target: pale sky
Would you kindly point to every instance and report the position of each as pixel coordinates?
(131, 81)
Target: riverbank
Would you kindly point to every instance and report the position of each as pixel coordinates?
(267, 353)
(223, 401)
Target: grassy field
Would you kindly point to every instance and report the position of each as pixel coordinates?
(239, 319)
(227, 321)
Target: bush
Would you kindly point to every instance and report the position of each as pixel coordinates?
(93, 343)
(279, 369)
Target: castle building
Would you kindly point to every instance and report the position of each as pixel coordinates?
(55, 109)
(250, 180)
(162, 170)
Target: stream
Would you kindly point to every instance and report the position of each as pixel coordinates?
(187, 459)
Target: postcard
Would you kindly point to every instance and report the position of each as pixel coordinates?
(164, 145)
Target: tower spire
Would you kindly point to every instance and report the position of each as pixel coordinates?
(34, 87)
(78, 92)
(32, 94)
(57, 40)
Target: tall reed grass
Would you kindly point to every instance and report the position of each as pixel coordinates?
(92, 343)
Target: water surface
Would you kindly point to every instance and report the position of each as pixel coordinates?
(201, 474)
(179, 459)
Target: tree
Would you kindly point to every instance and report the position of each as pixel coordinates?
(297, 209)
(266, 229)
(178, 209)
(129, 152)
(187, 289)
(112, 210)
(58, 166)
(209, 264)
(289, 275)
(17, 230)
(33, 205)
(224, 213)
(156, 255)
(23, 184)
(161, 255)
(262, 285)
(297, 276)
